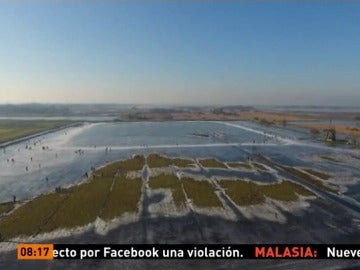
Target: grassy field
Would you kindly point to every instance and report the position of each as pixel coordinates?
(82, 206)
(171, 182)
(211, 163)
(259, 166)
(110, 194)
(240, 165)
(310, 179)
(249, 193)
(124, 198)
(31, 217)
(183, 163)
(120, 167)
(77, 205)
(319, 174)
(201, 193)
(15, 129)
(135, 163)
(108, 171)
(156, 161)
(284, 191)
(243, 193)
(6, 207)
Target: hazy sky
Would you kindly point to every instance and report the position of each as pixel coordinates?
(183, 52)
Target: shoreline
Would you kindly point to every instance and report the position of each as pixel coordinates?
(37, 134)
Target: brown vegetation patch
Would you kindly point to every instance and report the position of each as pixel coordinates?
(156, 161)
(248, 193)
(322, 175)
(169, 182)
(183, 163)
(259, 166)
(82, 206)
(29, 218)
(201, 193)
(240, 165)
(124, 198)
(310, 179)
(211, 163)
(6, 207)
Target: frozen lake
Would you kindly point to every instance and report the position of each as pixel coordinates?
(39, 165)
(64, 156)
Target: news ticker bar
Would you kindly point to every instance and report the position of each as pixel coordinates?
(165, 251)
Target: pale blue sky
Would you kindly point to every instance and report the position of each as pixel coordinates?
(180, 53)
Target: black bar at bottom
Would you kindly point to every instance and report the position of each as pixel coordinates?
(211, 251)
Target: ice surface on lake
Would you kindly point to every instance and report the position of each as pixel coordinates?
(45, 162)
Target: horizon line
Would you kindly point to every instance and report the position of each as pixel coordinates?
(174, 104)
